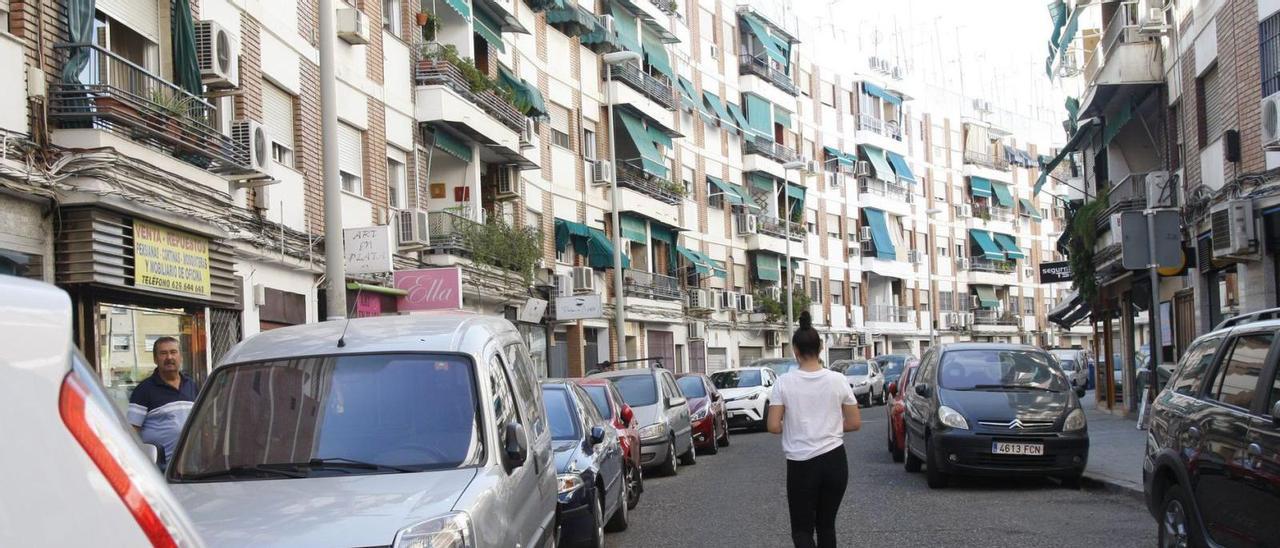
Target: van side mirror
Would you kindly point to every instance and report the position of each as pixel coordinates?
(627, 415)
(517, 446)
(922, 390)
(893, 389)
(597, 435)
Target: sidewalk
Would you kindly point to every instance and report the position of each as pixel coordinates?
(1116, 447)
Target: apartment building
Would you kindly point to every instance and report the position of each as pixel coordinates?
(165, 157)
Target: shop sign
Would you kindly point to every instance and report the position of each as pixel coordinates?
(1051, 273)
(367, 250)
(170, 260)
(532, 310)
(579, 307)
(368, 305)
(429, 289)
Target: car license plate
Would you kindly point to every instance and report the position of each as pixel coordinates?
(1006, 448)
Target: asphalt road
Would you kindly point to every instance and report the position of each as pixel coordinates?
(738, 498)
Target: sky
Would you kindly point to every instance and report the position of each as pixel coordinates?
(954, 50)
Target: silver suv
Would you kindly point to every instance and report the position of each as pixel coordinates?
(418, 430)
(662, 417)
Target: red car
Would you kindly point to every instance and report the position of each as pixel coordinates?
(897, 436)
(706, 412)
(609, 403)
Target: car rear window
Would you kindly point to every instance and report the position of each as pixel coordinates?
(637, 390)
(560, 414)
(1194, 365)
(745, 378)
(599, 397)
(692, 387)
(1237, 380)
(856, 369)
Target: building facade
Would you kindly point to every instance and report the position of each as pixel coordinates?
(162, 163)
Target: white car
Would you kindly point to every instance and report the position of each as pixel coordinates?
(84, 478)
(865, 378)
(746, 394)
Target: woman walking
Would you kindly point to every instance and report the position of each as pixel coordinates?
(812, 408)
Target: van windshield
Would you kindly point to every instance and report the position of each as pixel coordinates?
(333, 415)
(998, 370)
(637, 390)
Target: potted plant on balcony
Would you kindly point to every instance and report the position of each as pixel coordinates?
(166, 113)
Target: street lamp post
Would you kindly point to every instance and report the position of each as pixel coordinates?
(928, 281)
(619, 313)
(786, 223)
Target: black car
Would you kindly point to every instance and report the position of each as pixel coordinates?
(589, 466)
(996, 410)
(1211, 473)
(891, 365)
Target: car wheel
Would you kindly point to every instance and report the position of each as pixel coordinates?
(933, 474)
(635, 481)
(597, 521)
(670, 467)
(723, 441)
(621, 518)
(893, 449)
(911, 463)
(690, 457)
(1177, 529)
(880, 399)
(713, 447)
(764, 417)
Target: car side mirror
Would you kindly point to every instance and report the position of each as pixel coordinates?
(675, 402)
(716, 397)
(155, 453)
(893, 389)
(922, 390)
(597, 435)
(627, 415)
(517, 446)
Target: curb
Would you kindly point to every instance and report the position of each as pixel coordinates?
(1097, 482)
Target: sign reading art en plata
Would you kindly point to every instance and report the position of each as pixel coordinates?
(170, 260)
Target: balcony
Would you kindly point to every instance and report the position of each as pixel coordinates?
(663, 190)
(876, 187)
(994, 317)
(888, 313)
(985, 159)
(994, 213)
(437, 71)
(978, 264)
(1129, 52)
(764, 146)
(658, 89)
(780, 228)
(448, 232)
(748, 64)
(890, 129)
(648, 285)
(118, 96)
(1130, 194)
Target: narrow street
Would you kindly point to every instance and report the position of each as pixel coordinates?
(738, 498)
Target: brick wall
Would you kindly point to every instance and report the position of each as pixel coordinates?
(249, 99)
(375, 160)
(373, 50)
(307, 143)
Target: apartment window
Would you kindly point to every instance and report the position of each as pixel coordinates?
(924, 299)
(1210, 118)
(120, 342)
(946, 301)
(815, 290)
(833, 227)
(277, 114)
(805, 83)
(391, 16)
(837, 293)
(1269, 33)
(811, 222)
(715, 198)
(828, 94)
(397, 190)
(960, 250)
(1028, 305)
(351, 158)
(559, 125)
(855, 294)
(589, 140)
(943, 246)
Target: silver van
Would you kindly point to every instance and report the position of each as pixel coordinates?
(417, 430)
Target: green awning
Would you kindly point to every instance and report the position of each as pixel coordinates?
(901, 167)
(1069, 32)
(651, 161)
(733, 194)
(767, 268)
(717, 108)
(990, 250)
(687, 94)
(463, 7)
(634, 229)
(761, 181)
(1010, 246)
(595, 33)
(526, 96)
(662, 233)
(575, 20)
(1004, 196)
(987, 296)
(659, 137)
(877, 91)
(1067, 149)
(600, 251)
(979, 187)
(759, 114)
(452, 146)
(489, 30)
(880, 236)
(795, 195)
(738, 118)
(186, 65)
(762, 35)
(1116, 122)
(876, 156)
(570, 232)
(781, 117)
(625, 23)
(1029, 209)
(702, 263)
(655, 53)
(841, 157)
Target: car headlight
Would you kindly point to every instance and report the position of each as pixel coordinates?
(862, 383)
(653, 431)
(701, 413)
(446, 531)
(952, 418)
(568, 483)
(755, 396)
(1075, 421)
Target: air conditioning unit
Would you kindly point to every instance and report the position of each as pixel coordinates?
(699, 299)
(836, 180)
(1233, 229)
(505, 182)
(252, 135)
(412, 228)
(955, 319)
(746, 303)
(810, 167)
(353, 26)
(216, 55)
(865, 234)
(584, 279)
(899, 73)
(909, 198)
(602, 172)
(262, 197)
(715, 52)
(974, 302)
(862, 169)
(968, 318)
(697, 330)
(1152, 22)
(1028, 273)
(915, 256)
(716, 296)
(564, 285)
(527, 134)
(964, 211)
(1271, 122)
(606, 21)
(771, 338)
(774, 293)
(981, 105)
(1016, 222)
(748, 223)
(964, 263)
(728, 300)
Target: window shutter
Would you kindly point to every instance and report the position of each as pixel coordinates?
(350, 150)
(559, 118)
(141, 16)
(277, 110)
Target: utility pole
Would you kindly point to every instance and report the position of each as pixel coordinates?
(335, 270)
(619, 292)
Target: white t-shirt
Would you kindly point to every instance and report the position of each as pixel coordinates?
(813, 420)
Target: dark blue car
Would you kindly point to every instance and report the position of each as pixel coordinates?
(592, 495)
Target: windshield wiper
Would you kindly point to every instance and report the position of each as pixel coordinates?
(242, 470)
(342, 462)
(1011, 387)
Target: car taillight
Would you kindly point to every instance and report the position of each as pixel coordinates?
(71, 405)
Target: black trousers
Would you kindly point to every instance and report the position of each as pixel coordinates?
(815, 488)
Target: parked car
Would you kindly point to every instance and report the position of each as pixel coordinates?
(1211, 472)
(589, 466)
(68, 453)
(706, 408)
(1074, 365)
(865, 378)
(993, 409)
(421, 429)
(746, 394)
(891, 365)
(662, 417)
(779, 366)
(897, 430)
(609, 404)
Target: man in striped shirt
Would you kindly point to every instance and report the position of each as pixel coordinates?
(160, 404)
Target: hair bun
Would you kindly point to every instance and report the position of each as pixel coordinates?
(806, 320)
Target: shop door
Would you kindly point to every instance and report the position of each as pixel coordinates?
(558, 357)
(1184, 321)
(698, 357)
(662, 345)
(749, 354)
(717, 359)
(128, 334)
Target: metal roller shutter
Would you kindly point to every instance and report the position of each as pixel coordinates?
(277, 110)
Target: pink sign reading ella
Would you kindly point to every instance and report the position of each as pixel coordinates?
(429, 289)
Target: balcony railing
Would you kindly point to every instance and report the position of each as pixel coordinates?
(1130, 193)
(889, 129)
(749, 64)
(774, 226)
(651, 286)
(449, 232)
(994, 213)
(888, 313)
(979, 264)
(994, 316)
(663, 190)
(985, 159)
(433, 71)
(1122, 28)
(880, 188)
(764, 146)
(118, 96)
(658, 89)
